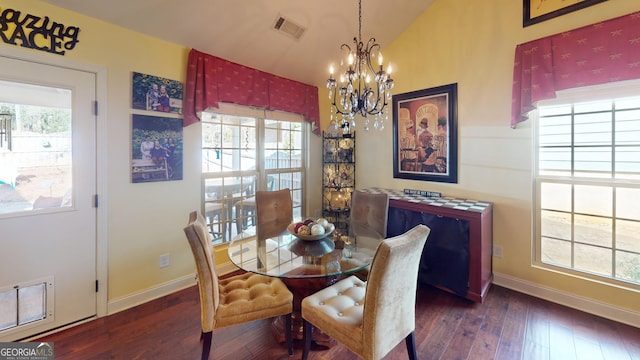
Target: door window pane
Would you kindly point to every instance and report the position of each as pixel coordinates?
(36, 147)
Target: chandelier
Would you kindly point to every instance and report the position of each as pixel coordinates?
(359, 87)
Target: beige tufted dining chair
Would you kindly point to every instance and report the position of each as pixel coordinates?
(237, 299)
(371, 318)
(246, 207)
(274, 212)
(370, 210)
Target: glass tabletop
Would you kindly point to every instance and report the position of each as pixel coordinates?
(283, 255)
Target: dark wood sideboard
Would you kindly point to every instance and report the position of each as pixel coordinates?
(458, 254)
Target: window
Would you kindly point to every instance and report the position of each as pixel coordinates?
(35, 148)
(244, 150)
(588, 185)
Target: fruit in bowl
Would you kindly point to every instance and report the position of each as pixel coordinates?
(329, 228)
(317, 229)
(302, 229)
(310, 229)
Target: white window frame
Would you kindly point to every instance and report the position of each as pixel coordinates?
(260, 172)
(573, 96)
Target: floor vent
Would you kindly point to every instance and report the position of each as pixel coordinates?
(288, 27)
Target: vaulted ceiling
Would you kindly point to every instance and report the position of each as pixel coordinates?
(243, 31)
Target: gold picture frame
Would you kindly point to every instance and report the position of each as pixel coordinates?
(535, 11)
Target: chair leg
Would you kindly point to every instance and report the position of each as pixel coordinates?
(306, 336)
(288, 335)
(410, 340)
(206, 345)
(239, 219)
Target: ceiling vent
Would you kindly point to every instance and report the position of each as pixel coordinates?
(288, 27)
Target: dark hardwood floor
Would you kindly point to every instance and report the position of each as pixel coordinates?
(509, 325)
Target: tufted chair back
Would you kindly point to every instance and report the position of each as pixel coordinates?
(390, 301)
(274, 211)
(234, 299)
(371, 318)
(370, 211)
(198, 237)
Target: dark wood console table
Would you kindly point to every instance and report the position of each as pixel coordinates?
(470, 243)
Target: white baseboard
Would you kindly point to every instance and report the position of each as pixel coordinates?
(226, 268)
(587, 305)
(141, 297)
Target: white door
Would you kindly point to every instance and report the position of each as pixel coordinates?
(47, 188)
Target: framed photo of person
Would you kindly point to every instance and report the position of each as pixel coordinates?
(535, 11)
(156, 149)
(425, 134)
(156, 93)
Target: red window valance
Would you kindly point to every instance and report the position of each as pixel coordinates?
(604, 52)
(211, 80)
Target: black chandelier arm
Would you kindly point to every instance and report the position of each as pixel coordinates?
(376, 108)
(343, 46)
(372, 44)
(346, 108)
(372, 49)
(356, 100)
(357, 104)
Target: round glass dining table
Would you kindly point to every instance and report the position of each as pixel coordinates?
(305, 266)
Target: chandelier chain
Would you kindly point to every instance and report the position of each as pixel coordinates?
(359, 20)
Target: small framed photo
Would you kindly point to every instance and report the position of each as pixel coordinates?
(425, 135)
(155, 93)
(535, 11)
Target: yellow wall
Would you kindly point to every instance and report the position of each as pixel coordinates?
(143, 220)
(467, 42)
(472, 43)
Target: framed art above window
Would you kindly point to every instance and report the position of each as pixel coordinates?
(535, 11)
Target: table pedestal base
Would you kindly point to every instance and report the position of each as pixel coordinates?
(318, 337)
(302, 288)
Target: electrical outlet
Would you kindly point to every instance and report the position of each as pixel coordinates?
(497, 251)
(165, 260)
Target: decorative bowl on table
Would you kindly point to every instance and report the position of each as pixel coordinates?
(310, 229)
